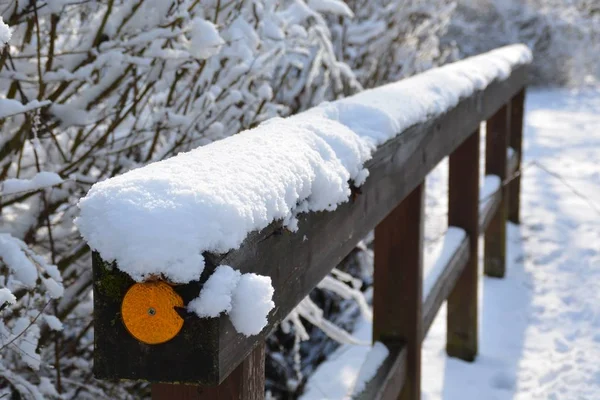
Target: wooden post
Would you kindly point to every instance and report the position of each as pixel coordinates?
(246, 382)
(497, 129)
(516, 142)
(398, 284)
(463, 212)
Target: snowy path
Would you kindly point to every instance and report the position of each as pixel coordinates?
(540, 326)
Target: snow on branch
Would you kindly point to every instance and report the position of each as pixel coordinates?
(10, 107)
(41, 180)
(5, 33)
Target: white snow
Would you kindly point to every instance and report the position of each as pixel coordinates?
(26, 337)
(13, 254)
(157, 220)
(215, 296)
(246, 298)
(205, 40)
(491, 184)
(336, 378)
(265, 92)
(5, 33)
(41, 180)
(53, 322)
(368, 369)
(335, 7)
(251, 303)
(441, 253)
(6, 296)
(55, 289)
(11, 107)
(539, 325)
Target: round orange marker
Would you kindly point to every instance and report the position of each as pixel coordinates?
(148, 312)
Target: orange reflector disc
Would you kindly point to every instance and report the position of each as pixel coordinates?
(148, 312)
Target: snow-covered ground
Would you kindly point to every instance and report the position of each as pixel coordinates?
(540, 325)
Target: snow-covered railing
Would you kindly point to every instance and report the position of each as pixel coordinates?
(224, 241)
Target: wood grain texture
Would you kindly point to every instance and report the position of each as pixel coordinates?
(246, 382)
(463, 212)
(398, 284)
(517, 105)
(496, 145)
(296, 262)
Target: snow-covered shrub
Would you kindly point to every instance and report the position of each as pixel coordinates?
(564, 35)
(91, 89)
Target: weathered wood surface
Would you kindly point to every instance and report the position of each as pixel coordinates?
(463, 212)
(296, 262)
(398, 284)
(119, 355)
(496, 139)
(512, 166)
(515, 141)
(246, 382)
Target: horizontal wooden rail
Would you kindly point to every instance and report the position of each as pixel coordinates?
(395, 170)
(209, 351)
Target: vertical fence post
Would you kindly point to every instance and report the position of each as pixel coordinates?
(516, 142)
(246, 382)
(496, 143)
(398, 284)
(463, 212)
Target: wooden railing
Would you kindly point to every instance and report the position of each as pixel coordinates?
(391, 203)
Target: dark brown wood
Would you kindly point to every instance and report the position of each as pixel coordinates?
(512, 164)
(487, 210)
(390, 377)
(517, 105)
(296, 262)
(496, 139)
(246, 382)
(444, 284)
(398, 284)
(463, 212)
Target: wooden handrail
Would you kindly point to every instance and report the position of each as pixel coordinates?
(208, 351)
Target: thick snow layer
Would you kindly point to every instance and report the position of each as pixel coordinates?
(215, 296)
(157, 220)
(247, 298)
(539, 326)
(5, 33)
(39, 181)
(251, 303)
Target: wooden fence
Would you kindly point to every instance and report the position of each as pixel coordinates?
(391, 203)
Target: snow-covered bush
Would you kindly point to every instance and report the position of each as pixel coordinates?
(89, 90)
(563, 34)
